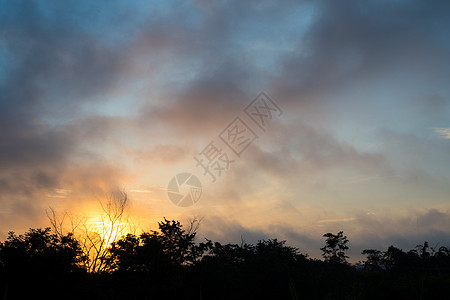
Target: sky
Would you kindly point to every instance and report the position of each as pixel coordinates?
(97, 97)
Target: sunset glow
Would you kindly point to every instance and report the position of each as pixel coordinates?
(297, 118)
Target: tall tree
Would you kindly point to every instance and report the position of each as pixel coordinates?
(374, 259)
(335, 247)
(30, 262)
(96, 238)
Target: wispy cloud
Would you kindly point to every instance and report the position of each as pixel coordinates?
(361, 178)
(59, 193)
(140, 191)
(444, 133)
(336, 220)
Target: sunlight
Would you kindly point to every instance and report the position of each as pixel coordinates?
(110, 232)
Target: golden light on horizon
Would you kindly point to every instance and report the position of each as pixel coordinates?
(108, 230)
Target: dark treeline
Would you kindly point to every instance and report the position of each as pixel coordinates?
(169, 264)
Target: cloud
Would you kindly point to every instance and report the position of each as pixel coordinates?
(298, 155)
(165, 153)
(369, 231)
(404, 230)
(365, 231)
(229, 230)
(55, 66)
(112, 95)
(444, 133)
(336, 220)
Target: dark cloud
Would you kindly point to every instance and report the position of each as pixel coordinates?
(55, 66)
(163, 153)
(182, 72)
(369, 231)
(300, 155)
(379, 232)
(229, 230)
(39, 147)
(351, 44)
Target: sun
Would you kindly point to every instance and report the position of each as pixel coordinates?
(109, 231)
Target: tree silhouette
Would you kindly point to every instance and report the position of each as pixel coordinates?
(335, 247)
(374, 259)
(422, 250)
(96, 239)
(155, 250)
(178, 243)
(38, 257)
(168, 264)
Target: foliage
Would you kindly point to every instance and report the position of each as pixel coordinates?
(95, 237)
(170, 264)
(335, 247)
(39, 258)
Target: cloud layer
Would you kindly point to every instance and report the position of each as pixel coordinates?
(123, 95)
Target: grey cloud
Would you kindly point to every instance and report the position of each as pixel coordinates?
(55, 66)
(373, 232)
(352, 43)
(35, 147)
(306, 243)
(300, 151)
(163, 153)
(414, 157)
(405, 232)
(227, 75)
(229, 230)
(60, 66)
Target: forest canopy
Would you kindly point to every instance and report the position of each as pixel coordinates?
(169, 263)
